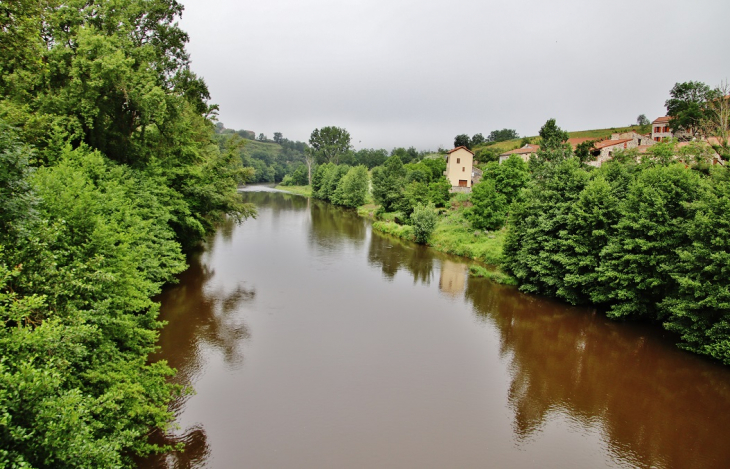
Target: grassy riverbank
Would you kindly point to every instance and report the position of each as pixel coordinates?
(453, 235)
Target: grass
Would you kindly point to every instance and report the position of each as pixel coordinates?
(454, 235)
(300, 190)
(494, 275)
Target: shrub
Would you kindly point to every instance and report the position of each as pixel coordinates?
(423, 220)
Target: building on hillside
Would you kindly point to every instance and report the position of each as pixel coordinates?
(604, 150)
(460, 169)
(525, 152)
(660, 129)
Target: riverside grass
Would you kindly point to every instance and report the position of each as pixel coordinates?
(453, 235)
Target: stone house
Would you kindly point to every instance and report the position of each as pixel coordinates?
(660, 129)
(525, 152)
(460, 169)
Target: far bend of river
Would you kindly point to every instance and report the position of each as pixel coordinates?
(313, 342)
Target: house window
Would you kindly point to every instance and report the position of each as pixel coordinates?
(624, 145)
(657, 130)
(458, 160)
(656, 139)
(463, 169)
(610, 154)
(666, 129)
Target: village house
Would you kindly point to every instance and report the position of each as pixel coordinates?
(525, 152)
(660, 129)
(460, 170)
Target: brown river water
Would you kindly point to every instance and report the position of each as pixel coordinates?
(313, 342)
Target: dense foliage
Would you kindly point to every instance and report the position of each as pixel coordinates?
(108, 169)
(645, 241)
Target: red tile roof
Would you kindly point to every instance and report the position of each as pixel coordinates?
(529, 148)
(661, 120)
(459, 148)
(610, 143)
(574, 142)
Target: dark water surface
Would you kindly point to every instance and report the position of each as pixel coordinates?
(313, 342)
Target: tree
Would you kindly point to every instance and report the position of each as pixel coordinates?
(687, 107)
(329, 143)
(423, 220)
(489, 207)
(642, 120)
(502, 135)
(510, 177)
(717, 120)
(583, 151)
(352, 190)
(477, 139)
(262, 137)
(553, 137)
(462, 140)
(388, 182)
(277, 137)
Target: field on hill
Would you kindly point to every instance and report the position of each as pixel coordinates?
(596, 134)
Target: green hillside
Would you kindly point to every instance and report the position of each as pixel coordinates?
(596, 134)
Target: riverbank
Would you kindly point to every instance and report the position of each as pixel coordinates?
(453, 235)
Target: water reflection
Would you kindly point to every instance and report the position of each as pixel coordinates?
(646, 403)
(391, 254)
(194, 454)
(619, 378)
(330, 227)
(200, 317)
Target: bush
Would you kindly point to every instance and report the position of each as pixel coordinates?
(352, 189)
(423, 220)
(489, 208)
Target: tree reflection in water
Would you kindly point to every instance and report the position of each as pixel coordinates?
(391, 254)
(199, 318)
(331, 226)
(650, 402)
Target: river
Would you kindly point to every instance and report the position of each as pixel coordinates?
(313, 342)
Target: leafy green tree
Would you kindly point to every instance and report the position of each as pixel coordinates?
(423, 219)
(329, 143)
(583, 151)
(535, 244)
(510, 177)
(699, 310)
(502, 135)
(687, 107)
(477, 139)
(642, 120)
(487, 154)
(489, 208)
(388, 183)
(439, 192)
(639, 262)
(589, 228)
(370, 157)
(414, 193)
(462, 140)
(352, 190)
(278, 137)
(552, 137)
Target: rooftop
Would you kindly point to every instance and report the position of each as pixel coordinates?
(460, 148)
(610, 143)
(529, 148)
(661, 120)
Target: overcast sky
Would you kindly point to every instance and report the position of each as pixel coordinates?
(417, 73)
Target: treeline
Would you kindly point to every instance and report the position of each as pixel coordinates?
(645, 236)
(645, 241)
(108, 171)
